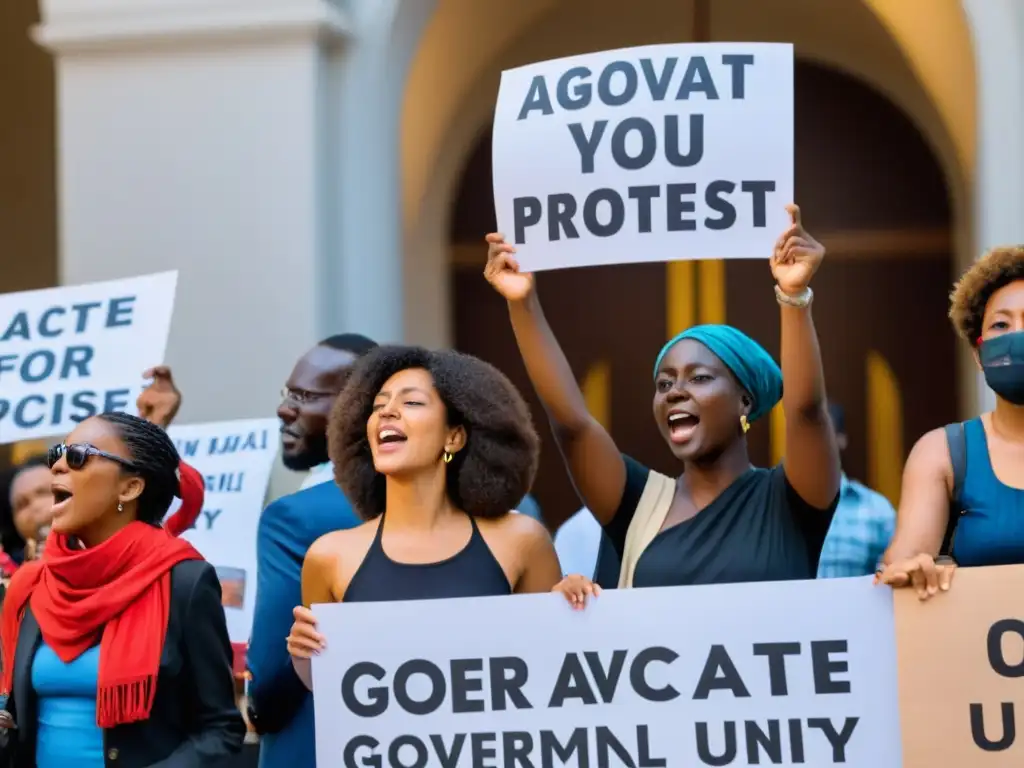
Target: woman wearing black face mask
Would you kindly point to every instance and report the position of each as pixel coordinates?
(963, 486)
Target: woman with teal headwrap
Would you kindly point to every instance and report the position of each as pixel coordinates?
(722, 520)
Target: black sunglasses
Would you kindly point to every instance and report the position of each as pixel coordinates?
(77, 454)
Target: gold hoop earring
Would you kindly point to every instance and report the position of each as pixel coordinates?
(447, 457)
(744, 424)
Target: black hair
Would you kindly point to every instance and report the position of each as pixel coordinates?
(838, 415)
(487, 478)
(349, 342)
(32, 462)
(154, 455)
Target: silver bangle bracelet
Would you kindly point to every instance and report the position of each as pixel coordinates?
(800, 301)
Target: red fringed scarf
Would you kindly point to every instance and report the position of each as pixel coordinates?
(118, 591)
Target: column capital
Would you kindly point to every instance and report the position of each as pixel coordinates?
(69, 26)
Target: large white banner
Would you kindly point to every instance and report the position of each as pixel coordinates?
(645, 154)
(69, 353)
(235, 458)
(786, 674)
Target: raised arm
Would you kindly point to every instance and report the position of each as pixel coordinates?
(159, 402)
(595, 465)
(812, 455)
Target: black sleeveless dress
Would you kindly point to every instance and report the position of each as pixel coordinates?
(471, 572)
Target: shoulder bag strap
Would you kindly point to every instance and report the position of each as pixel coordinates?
(956, 440)
(650, 515)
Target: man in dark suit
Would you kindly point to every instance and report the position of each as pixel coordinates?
(280, 706)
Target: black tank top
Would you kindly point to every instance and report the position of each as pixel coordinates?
(471, 572)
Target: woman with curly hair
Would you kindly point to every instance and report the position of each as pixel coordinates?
(963, 485)
(433, 448)
(721, 520)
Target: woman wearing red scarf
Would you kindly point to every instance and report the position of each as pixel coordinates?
(115, 648)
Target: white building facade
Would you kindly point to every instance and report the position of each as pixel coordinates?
(296, 160)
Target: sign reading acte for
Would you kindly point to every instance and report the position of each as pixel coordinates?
(645, 154)
(69, 353)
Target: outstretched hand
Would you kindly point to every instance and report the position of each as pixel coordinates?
(796, 257)
(502, 270)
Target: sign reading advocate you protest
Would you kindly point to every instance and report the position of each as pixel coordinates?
(69, 353)
(790, 674)
(645, 154)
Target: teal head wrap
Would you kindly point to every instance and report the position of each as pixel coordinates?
(750, 363)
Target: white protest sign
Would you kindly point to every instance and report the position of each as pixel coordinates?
(645, 154)
(746, 674)
(235, 458)
(69, 353)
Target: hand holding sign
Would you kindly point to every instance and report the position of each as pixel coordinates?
(920, 572)
(159, 402)
(304, 641)
(797, 256)
(502, 270)
(577, 589)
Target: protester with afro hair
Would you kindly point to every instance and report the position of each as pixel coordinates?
(963, 485)
(434, 449)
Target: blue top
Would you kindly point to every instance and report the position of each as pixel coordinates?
(991, 529)
(67, 733)
(860, 532)
(283, 705)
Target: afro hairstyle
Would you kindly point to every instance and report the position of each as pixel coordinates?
(996, 269)
(487, 478)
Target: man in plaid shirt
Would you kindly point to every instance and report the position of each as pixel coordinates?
(862, 526)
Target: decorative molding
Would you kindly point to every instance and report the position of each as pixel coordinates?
(871, 243)
(866, 244)
(74, 26)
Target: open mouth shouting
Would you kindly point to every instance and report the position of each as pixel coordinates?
(390, 438)
(61, 497)
(681, 426)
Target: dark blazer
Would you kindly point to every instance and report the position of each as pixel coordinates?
(195, 720)
(281, 705)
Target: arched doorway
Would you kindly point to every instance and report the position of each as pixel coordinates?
(869, 186)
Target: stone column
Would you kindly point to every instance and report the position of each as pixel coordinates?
(998, 27)
(369, 87)
(192, 136)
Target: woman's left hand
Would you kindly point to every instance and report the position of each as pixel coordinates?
(6, 721)
(796, 257)
(577, 589)
(921, 573)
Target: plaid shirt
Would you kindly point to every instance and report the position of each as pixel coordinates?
(860, 532)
